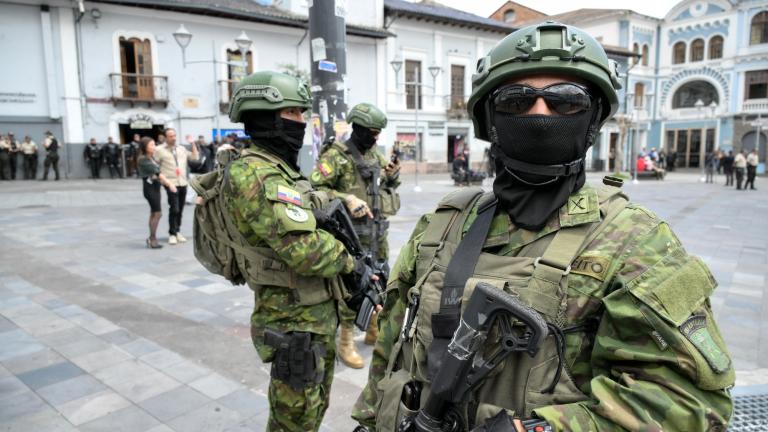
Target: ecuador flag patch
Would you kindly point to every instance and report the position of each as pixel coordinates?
(325, 168)
(286, 194)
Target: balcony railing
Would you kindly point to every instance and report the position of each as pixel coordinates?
(456, 107)
(139, 88)
(755, 106)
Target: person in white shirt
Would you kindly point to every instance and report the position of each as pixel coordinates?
(752, 161)
(173, 165)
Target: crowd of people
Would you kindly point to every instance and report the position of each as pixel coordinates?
(742, 165)
(11, 149)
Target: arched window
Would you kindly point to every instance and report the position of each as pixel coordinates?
(689, 93)
(715, 47)
(509, 15)
(636, 51)
(639, 95)
(678, 53)
(759, 31)
(697, 50)
(645, 55)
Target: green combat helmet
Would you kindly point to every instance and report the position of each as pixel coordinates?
(367, 115)
(269, 91)
(548, 47)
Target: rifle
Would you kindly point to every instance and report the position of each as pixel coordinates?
(460, 371)
(366, 294)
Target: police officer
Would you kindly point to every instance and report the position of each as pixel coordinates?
(349, 171)
(131, 152)
(293, 266)
(92, 155)
(111, 155)
(632, 343)
(51, 145)
(13, 154)
(29, 153)
(5, 151)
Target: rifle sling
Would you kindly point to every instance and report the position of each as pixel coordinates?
(460, 268)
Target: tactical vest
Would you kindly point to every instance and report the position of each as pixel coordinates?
(537, 276)
(259, 264)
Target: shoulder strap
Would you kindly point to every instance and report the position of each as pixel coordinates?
(460, 268)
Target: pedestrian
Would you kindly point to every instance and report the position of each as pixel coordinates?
(92, 155)
(719, 155)
(13, 154)
(5, 150)
(728, 168)
(270, 203)
(672, 160)
(356, 172)
(710, 164)
(28, 151)
(173, 160)
(740, 162)
(752, 161)
(51, 145)
(151, 179)
(624, 335)
(131, 152)
(663, 159)
(460, 170)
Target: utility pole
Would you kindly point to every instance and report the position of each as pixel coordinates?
(328, 42)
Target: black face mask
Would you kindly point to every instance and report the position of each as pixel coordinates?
(280, 136)
(539, 162)
(363, 137)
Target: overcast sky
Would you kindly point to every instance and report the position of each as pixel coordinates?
(654, 8)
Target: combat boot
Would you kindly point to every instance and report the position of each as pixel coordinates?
(372, 333)
(347, 350)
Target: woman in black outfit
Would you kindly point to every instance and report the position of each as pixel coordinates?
(151, 179)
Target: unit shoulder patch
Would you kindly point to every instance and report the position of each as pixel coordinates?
(296, 214)
(286, 194)
(696, 331)
(591, 265)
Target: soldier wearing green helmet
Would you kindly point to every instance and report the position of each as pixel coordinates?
(292, 266)
(357, 173)
(631, 342)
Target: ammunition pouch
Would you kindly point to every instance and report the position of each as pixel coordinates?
(298, 360)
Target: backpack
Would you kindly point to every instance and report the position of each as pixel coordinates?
(216, 239)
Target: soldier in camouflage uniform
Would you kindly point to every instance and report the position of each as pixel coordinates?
(633, 344)
(293, 265)
(346, 171)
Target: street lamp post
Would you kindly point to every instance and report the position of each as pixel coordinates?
(183, 37)
(434, 70)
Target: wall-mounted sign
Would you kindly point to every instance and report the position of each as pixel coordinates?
(328, 66)
(17, 97)
(140, 121)
(191, 102)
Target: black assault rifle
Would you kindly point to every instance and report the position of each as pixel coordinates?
(366, 293)
(464, 366)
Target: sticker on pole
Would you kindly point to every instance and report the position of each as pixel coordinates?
(318, 49)
(328, 66)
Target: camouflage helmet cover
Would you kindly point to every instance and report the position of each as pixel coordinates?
(268, 91)
(367, 115)
(548, 47)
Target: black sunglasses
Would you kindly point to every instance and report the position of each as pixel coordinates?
(562, 98)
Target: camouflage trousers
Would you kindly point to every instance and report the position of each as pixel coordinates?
(291, 410)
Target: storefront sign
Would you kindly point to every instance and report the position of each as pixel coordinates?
(141, 121)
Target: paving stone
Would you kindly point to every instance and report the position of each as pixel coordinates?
(163, 428)
(48, 375)
(6, 325)
(48, 420)
(174, 403)
(39, 359)
(71, 389)
(129, 419)
(161, 359)
(11, 386)
(209, 417)
(21, 404)
(186, 371)
(246, 402)
(86, 345)
(119, 337)
(129, 370)
(16, 343)
(255, 423)
(146, 387)
(93, 406)
(140, 347)
(100, 359)
(214, 386)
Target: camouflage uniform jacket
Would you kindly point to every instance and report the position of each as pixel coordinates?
(335, 171)
(655, 362)
(270, 212)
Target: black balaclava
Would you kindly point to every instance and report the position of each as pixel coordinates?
(363, 137)
(540, 162)
(281, 136)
